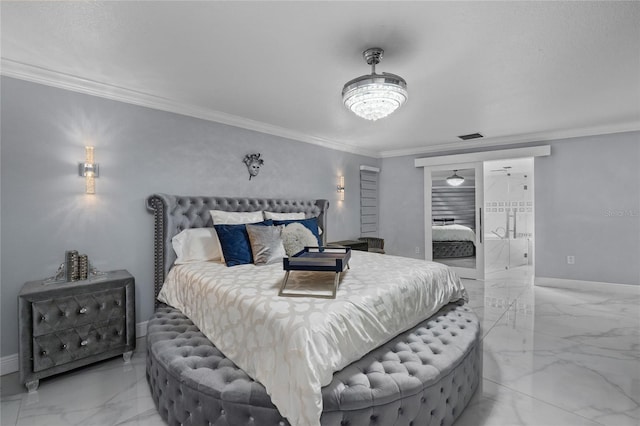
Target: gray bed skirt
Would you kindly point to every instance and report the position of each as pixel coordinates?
(424, 376)
(449, 249)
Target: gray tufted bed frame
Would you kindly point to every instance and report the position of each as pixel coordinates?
(424, 376)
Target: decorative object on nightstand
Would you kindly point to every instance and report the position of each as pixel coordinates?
(353, 244)
(71, 324)
(376, 244)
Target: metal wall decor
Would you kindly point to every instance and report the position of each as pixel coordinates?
(253, 162)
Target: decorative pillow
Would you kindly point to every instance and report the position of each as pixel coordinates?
(295, 237)
(283, 216)
(196, 245)
(234, 241)
(311, 224)
(221, 217)
(266, 243)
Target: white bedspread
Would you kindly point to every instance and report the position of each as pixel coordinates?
(294, 345)
(452, 233)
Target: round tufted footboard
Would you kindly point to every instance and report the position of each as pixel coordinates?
(424, 376)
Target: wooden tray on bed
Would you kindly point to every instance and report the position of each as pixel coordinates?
(318, 259)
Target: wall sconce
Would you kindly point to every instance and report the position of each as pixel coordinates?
(89, 170)
(341, 188)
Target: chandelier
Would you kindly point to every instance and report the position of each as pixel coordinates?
(374, 96)
(454, 179)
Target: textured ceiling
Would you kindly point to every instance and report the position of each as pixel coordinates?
(513, 71)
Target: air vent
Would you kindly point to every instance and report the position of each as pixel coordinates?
(470, 136)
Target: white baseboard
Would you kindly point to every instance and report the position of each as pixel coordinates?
(587, 285)
(10, 363)
(141, 329)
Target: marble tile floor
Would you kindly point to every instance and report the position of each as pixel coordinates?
(552, 356)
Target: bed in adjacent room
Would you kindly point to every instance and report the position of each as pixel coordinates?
(396, 343)
(452, 240)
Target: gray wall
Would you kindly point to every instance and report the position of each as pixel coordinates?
(141, 151)
(402, 207)
(587, 196)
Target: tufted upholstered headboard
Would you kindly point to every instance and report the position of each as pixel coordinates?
(173, 213)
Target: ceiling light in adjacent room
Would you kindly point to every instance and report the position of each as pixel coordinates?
(454, 179)
(374, 96)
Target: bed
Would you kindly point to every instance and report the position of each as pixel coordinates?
(452, 240)
(425, 371)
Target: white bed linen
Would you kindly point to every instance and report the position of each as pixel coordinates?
(452, 233)
(294, 345)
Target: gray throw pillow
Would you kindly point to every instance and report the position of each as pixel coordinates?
(266, 244)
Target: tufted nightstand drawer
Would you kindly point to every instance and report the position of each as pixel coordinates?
(65, 312)
(71, 324)
(64, 346)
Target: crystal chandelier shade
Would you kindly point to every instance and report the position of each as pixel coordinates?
(374, 96)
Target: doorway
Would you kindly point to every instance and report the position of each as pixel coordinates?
(508, 214)
(514, 240)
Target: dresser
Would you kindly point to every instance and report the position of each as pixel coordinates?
(66, 325)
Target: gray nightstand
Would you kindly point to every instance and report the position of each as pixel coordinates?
(71, 324)
(354, 244)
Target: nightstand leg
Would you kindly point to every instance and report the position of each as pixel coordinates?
(127, 356)
(32, 386)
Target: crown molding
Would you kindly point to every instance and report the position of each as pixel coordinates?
(546, 136)
(22, 71)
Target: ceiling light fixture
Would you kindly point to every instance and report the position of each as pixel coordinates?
(374, 96)
(454, 179)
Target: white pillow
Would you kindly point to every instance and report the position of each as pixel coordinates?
(220, 217)
(196, 245)
(295, 237)
(283, 216)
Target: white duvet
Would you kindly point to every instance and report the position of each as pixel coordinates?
(294, 345)
(452, 233)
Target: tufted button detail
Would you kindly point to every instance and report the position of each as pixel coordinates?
(404, 357)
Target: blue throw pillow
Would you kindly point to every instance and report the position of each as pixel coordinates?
(311, 224)
(235, 244)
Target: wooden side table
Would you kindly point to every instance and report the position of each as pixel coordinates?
(66, 325)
